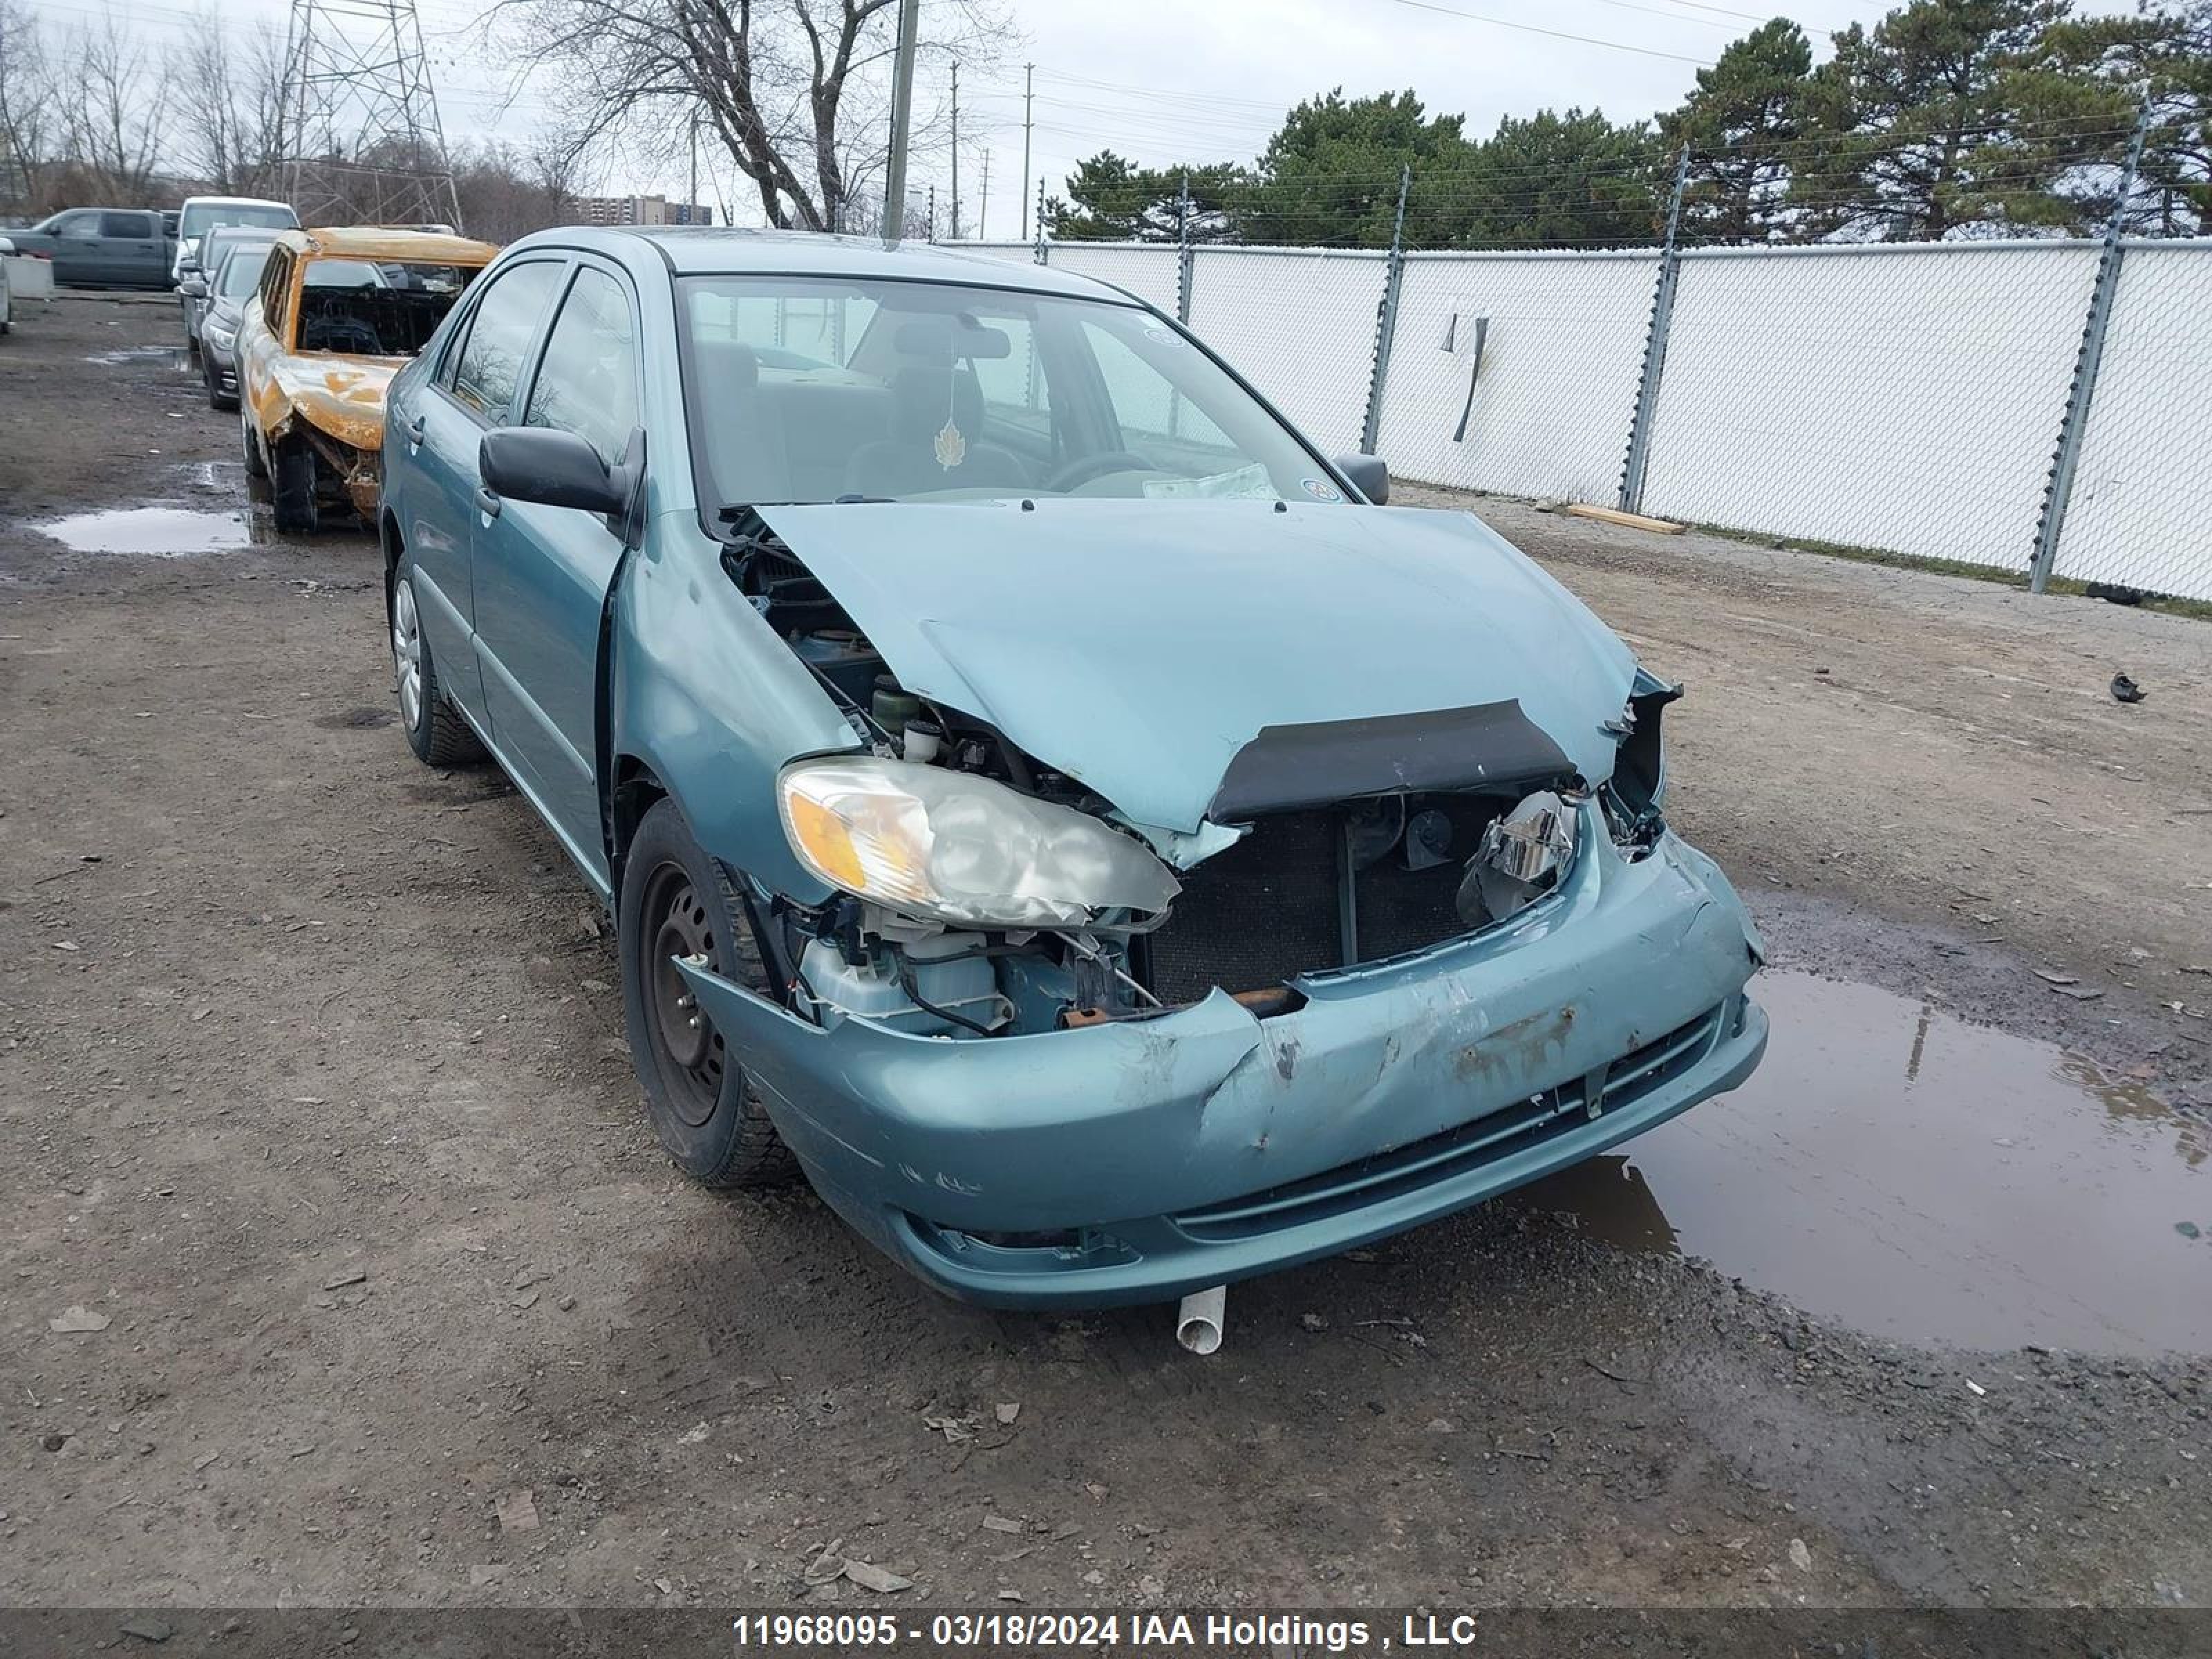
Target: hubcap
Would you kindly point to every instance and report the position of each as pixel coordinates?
(407, 653)
(680, 926)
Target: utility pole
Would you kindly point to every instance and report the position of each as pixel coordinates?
(901, 120)
(984, 207)
(955, 152)
(1029, 98)
(692, 195)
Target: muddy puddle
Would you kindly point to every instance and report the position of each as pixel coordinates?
(159, 532)
(1920, 1178)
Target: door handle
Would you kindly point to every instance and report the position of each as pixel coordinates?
(414, 428)
(488, 502)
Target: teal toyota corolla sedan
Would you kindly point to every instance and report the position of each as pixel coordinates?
(1042, 800)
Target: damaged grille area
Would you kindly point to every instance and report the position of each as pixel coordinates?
(1273, 907)
(1488, 1140)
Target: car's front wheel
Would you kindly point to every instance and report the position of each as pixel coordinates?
(677, 901)
(292, 487)
(436, 731)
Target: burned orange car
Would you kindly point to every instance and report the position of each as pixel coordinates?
(338, 312)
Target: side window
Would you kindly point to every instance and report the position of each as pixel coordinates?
(127, 227)
(1014, 390)
(276, 292)
(587, 382)
(79, 228)
(500, 333)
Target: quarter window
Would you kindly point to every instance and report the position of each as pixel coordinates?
(505, 323)
(587, 383)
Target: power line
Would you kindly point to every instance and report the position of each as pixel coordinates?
(1555, 35)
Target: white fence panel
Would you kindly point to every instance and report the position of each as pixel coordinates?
(1905, 398)
(1562, 343)
(1147, 269)
(2142, 482)
(1299, 324)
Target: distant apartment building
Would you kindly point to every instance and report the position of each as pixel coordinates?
(641, 211)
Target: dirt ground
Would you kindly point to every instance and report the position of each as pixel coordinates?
(311, 1085)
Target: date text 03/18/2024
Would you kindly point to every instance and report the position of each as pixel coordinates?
(1046, 1631)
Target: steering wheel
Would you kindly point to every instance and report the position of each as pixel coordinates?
(1083, 468)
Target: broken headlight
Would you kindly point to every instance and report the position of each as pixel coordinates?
(955, 847)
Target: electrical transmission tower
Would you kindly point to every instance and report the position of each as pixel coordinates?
(363, 139)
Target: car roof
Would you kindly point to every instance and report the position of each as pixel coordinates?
(231, 201)
(724, 251)
(387, 242)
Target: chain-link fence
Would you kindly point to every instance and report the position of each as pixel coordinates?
(2042, 407)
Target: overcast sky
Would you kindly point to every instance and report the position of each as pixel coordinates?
(1162, 81)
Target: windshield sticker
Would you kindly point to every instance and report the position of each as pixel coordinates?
(951, 447)
(1166, 336)
(1321, 490)
(1247, 483)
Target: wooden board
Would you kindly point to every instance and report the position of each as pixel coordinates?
(1629, 520)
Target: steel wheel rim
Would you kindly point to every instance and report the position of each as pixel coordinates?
(678, 924)
(407, 654)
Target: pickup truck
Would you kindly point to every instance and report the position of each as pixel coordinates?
(101, 247)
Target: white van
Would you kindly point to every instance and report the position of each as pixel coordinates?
(201, 214)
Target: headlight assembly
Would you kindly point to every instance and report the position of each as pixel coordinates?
(955, 847)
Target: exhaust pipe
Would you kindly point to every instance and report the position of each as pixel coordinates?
(1198, 1320)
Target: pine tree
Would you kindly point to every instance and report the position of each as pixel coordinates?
(1742, 125)
(1915, 128)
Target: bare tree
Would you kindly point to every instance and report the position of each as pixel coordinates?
(230, 108)
(114, 118)
(26, 100)
(795, 91)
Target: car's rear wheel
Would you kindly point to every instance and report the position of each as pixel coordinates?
(292, 487)
(436, 731)
(677, 901)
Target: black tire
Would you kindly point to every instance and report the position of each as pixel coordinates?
(292, 488)
(255, 467)
(436, 731)
(676, 900)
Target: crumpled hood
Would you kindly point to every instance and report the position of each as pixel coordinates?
(1138, 644)
(343, 395)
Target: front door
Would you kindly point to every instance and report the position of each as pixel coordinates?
(542, 572)
(439, 428)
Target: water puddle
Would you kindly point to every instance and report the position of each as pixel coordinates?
(134, 355)
(1924, 1179)
(160, 532)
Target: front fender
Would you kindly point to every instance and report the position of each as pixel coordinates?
(702, 691)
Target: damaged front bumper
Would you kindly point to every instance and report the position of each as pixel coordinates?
(1136, 1161)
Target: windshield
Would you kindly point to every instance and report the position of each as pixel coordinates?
(241, 271)
(203, 216)
(375, 308)
(807, 389)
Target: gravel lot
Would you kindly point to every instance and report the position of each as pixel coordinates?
(311, 1088)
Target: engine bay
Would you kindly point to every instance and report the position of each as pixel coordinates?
(1285, 894)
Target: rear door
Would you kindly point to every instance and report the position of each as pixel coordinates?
(133, 248)
(474, 389)
(542, 572)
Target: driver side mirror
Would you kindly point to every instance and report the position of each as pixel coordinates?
(193, 285)
(1368, 476)
(556, 469)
